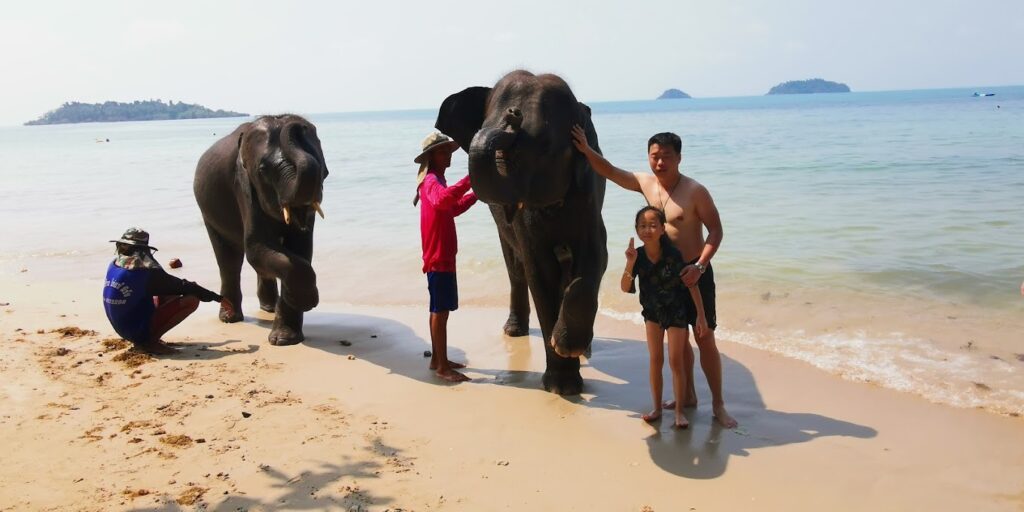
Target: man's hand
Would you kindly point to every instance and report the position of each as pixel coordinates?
(631, 252)
(579, 139)
(227, 307)
(701, 328)
(690, 275)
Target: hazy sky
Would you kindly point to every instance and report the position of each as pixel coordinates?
(311, 57)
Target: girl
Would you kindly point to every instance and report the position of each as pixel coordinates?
(659, 264)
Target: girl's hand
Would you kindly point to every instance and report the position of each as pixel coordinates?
(630, 252)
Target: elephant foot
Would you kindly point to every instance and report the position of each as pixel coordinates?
(564, 382)
(269, 308)
(513, 327)
(229, 317)
(282, 335)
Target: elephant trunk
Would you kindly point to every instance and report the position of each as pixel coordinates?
(492, 152)
(574, 329)
(300, 182)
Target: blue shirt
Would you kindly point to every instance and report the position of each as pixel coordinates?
(128, 305)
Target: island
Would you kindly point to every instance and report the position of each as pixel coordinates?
(113, 111)
(673, 94)
(812, 86)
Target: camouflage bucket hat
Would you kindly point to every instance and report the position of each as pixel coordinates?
(434, 141)
(137, 237)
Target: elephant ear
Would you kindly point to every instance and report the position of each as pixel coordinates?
(583, 119)
(462, 114)
(247, 139)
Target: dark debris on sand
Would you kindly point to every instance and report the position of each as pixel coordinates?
(73, 332)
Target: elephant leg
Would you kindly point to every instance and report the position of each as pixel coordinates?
(229, 261)
(287, 328)
(518, 323)
(562, 375)
(266, 290)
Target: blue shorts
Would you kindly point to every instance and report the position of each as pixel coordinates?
(444, 291)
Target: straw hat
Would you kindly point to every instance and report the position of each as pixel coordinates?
(137, 237)
(434, 141)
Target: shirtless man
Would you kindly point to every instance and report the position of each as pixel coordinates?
(689, 208)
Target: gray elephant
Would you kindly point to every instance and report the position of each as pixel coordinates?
(546, 202)
(258, 189)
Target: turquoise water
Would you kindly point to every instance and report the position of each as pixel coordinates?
(917, 196)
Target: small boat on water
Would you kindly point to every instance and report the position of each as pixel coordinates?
(983, 94)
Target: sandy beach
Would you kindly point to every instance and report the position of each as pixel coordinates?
(353, 420)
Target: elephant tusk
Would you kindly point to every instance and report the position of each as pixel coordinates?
(316, 206)
(520, 205)
(287, 216)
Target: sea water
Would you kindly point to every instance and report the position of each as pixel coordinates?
(877, 235)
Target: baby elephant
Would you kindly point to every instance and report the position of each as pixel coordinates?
(259, 189)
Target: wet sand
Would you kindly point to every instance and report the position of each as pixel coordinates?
(231, 422)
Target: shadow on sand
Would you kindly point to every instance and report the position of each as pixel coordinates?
(701, 452)
(205, 351)
(382, 341)
(314, 489)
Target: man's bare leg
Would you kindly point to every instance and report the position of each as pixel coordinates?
(439, 362)
(711, 363)
(656, 350)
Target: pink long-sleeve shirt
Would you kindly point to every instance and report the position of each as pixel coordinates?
(439, 205)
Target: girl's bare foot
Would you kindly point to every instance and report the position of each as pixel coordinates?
(450, 375)
(723, 417)
(452, 364)
(654, 415)
(681, 422)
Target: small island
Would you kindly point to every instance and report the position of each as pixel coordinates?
(812, 86)
(113, 111)
(673, 94)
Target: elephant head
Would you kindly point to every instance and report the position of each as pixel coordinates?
(517, 137)
(282, 158)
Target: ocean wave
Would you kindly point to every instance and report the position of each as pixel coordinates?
(896, 361)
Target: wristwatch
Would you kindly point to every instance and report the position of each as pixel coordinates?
(700, 267)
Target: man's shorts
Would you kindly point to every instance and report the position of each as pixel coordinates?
(444, 291)
(706, 285)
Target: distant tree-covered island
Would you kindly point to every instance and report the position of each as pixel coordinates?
(814, 85)
(673, 94)
(113, 111)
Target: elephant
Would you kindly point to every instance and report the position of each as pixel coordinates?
(258, 189)
(546, 202)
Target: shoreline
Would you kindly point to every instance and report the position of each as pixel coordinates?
(365, 425)
(948, 352)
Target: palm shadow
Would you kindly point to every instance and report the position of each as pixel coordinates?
(313, 489)
(381, 341)
(702, 451)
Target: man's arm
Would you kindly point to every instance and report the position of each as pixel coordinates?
(707, 212)
(162, 283)
(464, 203)
(602, 166)
(441, 197)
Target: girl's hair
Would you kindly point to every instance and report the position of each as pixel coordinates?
(657, 211)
